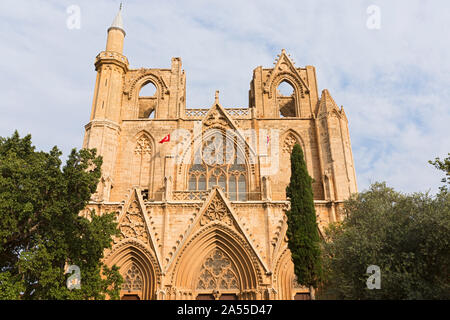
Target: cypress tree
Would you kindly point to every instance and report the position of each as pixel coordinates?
(302, 231)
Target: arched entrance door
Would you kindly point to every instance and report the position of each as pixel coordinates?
(137, 270)
(216, 264)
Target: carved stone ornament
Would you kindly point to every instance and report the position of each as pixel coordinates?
(133, 279)
(215, 118)
(143, 146)
(217, 211)
(217, 273)
(289, 143)
(133, 224)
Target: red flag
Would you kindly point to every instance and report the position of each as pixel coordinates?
(165, 139)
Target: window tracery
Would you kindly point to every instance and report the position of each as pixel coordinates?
(133, 279)
(143, 146)
(219, 164)
(217, 273)
(289, 143)
(141, 162)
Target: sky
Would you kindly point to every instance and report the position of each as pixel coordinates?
(387, 62)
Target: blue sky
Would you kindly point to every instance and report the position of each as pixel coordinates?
(393, 82)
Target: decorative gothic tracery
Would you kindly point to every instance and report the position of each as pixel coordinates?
(289, 143)
(219, 164)
(217, 211)
(143, 146)
(133, 225)
(133, 279)
(141, 166)
(217, 273)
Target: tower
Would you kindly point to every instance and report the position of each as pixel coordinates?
(213, 194)
(103, 130)
(339, 177)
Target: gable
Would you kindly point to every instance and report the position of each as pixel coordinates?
(216, 211)
(285, 68)
(218, 117)
(133, 223)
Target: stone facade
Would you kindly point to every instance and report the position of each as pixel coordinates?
(197, 227)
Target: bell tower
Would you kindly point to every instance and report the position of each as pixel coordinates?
(102, 132)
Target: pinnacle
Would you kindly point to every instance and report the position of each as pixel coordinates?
(216, 97)
(118, 21)
(327, 101)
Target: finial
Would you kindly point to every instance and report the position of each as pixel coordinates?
(118, 22)
(216, 98)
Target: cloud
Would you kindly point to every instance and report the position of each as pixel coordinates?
(393, 82)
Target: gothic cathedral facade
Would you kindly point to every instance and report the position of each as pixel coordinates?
(200, 193)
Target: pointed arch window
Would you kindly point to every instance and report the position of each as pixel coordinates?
(288, 144)
(141, 166)
(217, 273)
(148, 90)
(285, 96)
(148, 100)
(133, 279)
(285, 89)
(220, 164)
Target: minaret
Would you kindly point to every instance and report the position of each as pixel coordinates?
(102, 132)
(116, 34)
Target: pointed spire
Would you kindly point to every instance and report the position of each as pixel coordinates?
(216, 97)
(118, 21)
(343, 113)
(284, 64)
(327, 102)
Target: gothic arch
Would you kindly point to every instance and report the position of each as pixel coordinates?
(287, 143)
(146, 134)
(290, 78)
(285, 280)
(137, 83)
(299, 88)
(187, 267)
(142, 160)
(241, 148)
(132, 254)
(282, 277)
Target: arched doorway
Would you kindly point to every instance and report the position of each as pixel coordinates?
(216, 264)
(286, 282)
(137, 269)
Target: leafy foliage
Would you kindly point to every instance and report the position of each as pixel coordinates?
(407, 236)
(302, 232)
(41, 230)
(443, 165)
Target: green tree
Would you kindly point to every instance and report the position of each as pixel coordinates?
(302, 232)
(407, 236)
(443, 165)
(41, 231)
